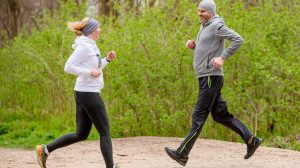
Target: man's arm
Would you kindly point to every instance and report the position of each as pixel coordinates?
(223, 32)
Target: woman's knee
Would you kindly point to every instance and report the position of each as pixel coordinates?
(82, 136)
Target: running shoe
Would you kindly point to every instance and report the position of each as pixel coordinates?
(252, 145)
(41, 155)
(176, 156)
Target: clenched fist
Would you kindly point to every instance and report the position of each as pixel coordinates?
(191, 44)
(111, 55)
(95, 73)
(217, 62)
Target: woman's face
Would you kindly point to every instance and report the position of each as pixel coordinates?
(95, 34)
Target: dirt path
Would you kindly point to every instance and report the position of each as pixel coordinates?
(148, 152)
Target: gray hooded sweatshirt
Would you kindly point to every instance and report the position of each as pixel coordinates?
(210, 44)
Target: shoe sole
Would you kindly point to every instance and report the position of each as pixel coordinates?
(253, 150)
(174, 158)
(116, 165)
(39, 157)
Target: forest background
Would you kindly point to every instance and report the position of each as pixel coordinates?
(151, 88)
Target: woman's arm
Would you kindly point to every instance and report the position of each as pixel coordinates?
(110, 56)
(72, 64)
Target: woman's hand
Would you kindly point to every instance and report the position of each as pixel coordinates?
(111, 55)
(190, 44)
(95, 73)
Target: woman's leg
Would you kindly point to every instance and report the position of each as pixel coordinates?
(94, 106)
(83, 128)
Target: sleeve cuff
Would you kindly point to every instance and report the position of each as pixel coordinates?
(104, 62)
(225, 55)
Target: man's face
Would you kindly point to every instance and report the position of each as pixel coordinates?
(204, 15)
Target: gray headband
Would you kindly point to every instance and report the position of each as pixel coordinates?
(208, 5)
(90, 26)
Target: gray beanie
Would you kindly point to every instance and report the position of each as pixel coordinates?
(208, 5)
(90, 26)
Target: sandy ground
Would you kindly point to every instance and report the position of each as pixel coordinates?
(148, 152)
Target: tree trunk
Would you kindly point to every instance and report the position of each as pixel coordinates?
(15, 11)
(104, 7)
(14, 14)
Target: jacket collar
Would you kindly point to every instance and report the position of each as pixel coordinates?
(214, 18)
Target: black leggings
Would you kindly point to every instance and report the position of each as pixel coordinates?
(90, 109)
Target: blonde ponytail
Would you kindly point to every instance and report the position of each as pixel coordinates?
(77, 26)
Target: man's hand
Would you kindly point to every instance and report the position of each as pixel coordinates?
(190, 44)
(111, 55)
(217, 62)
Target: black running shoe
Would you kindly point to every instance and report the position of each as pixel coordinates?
(176, 156)
(252, 145)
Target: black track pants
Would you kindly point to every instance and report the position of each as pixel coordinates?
(210, 100)
(90, 109)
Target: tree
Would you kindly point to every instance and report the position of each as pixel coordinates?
(14, 14)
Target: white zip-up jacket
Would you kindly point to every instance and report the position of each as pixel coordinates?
(85, 57)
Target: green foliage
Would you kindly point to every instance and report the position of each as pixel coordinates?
(151, 88)
(4, 128)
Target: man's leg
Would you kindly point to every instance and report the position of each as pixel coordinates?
(220, 114)
(199, 117)
(206, 97)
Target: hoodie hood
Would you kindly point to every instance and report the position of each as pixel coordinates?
(83, 40)
(216, 19)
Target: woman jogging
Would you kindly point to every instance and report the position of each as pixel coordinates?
(86, 63)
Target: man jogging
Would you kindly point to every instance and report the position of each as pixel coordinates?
(209, 56)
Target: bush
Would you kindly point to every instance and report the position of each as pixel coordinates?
(151, 88)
